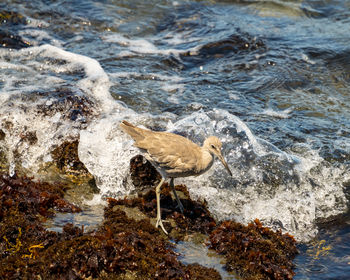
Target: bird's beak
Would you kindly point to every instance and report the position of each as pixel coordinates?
(221, 158)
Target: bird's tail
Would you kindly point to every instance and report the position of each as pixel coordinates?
(134, 131)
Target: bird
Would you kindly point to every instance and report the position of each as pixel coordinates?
(174, 156)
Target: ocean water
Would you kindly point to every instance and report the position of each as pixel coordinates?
(269, 78)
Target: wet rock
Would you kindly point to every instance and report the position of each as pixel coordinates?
(69, 103)
(67, 168)
(232, 44)
(67, 160)
(143, 173)
(12, 18)
(8, 36)
(236, 43)
(11, 40)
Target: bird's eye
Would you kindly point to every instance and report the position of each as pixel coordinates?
(213, 147)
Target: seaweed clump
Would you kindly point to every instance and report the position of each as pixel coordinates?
(24, 204)
(27, 197)
(121, 248)
(255, 251)
(252, 251)
(195, 218)
(125, 245)
(142, 246)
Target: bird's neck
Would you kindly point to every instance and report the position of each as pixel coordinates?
(206, 161)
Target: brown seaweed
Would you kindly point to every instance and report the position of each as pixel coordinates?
(255, 251)
(121, 247)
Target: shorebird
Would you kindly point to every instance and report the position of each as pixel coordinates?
(174, 156)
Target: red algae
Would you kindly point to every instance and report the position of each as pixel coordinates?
(120, 247)
(23, 204)
(123, 248)
(251, 252)
(255, 251)
(34, 197)
(196, 217)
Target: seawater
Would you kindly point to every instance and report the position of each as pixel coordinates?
(271, 79)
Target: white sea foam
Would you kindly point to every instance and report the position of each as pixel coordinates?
(96, 82)
(282, 190)
(307, 59)
(106, 151)
(36, 36)
(28, 92)
(285, 114)
(139, 46)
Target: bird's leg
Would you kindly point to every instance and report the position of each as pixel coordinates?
(159, 217)
(179, 204)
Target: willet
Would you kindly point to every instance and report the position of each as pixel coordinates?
(174, 156)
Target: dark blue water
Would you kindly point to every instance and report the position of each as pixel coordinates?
(281, 67)
(326, 257)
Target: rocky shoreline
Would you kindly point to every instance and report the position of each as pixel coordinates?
(126, 245)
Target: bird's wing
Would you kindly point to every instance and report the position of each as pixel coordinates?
(174, 153)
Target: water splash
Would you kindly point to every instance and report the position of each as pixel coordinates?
(283, 190)
(43, 103)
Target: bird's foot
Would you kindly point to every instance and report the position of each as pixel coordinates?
(160, 223)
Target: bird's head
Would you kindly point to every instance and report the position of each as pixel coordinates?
(213, 145)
